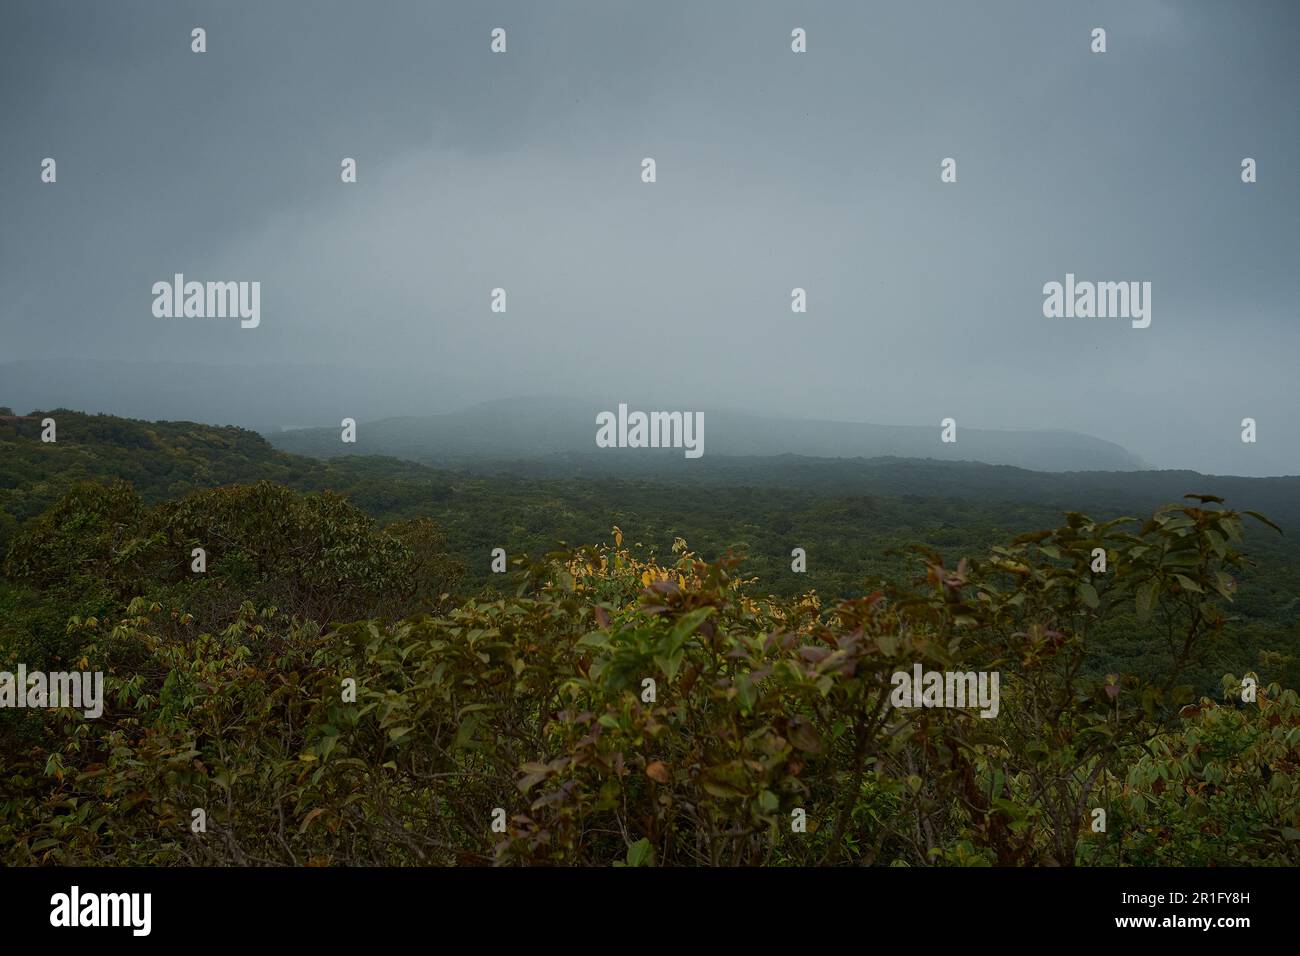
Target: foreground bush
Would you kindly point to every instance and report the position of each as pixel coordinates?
(624, 709)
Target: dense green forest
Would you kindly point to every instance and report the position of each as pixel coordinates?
(856, 520)
(524, 691)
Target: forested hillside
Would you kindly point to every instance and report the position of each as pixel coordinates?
(345, 680)
(855, 520)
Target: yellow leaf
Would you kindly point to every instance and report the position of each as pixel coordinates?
(645, 578)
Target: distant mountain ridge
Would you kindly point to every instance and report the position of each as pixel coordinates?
(165, 459)
(274, 397)
(522, 428)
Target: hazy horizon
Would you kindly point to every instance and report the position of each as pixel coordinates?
(775, 170)
(368, 402)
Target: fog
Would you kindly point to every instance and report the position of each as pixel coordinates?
(775, 170)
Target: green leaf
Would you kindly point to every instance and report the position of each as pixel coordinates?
(746, 692)
(995, 784)
(721, 789)
(687, 626)
(640, 853)
(465, 732)
(672, 661)
(803, 736)
(726, 781)
(1146, 598)
(1088, 594)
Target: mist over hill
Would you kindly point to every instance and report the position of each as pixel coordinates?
(166, 458)
(286, 401)
(523, 428)
(263, 397)
(454, 418)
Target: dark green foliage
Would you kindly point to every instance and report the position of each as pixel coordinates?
(525, 692)
(313, 557)
(854, 518)
(535, 704)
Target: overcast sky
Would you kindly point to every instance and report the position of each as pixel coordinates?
(775, 170)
